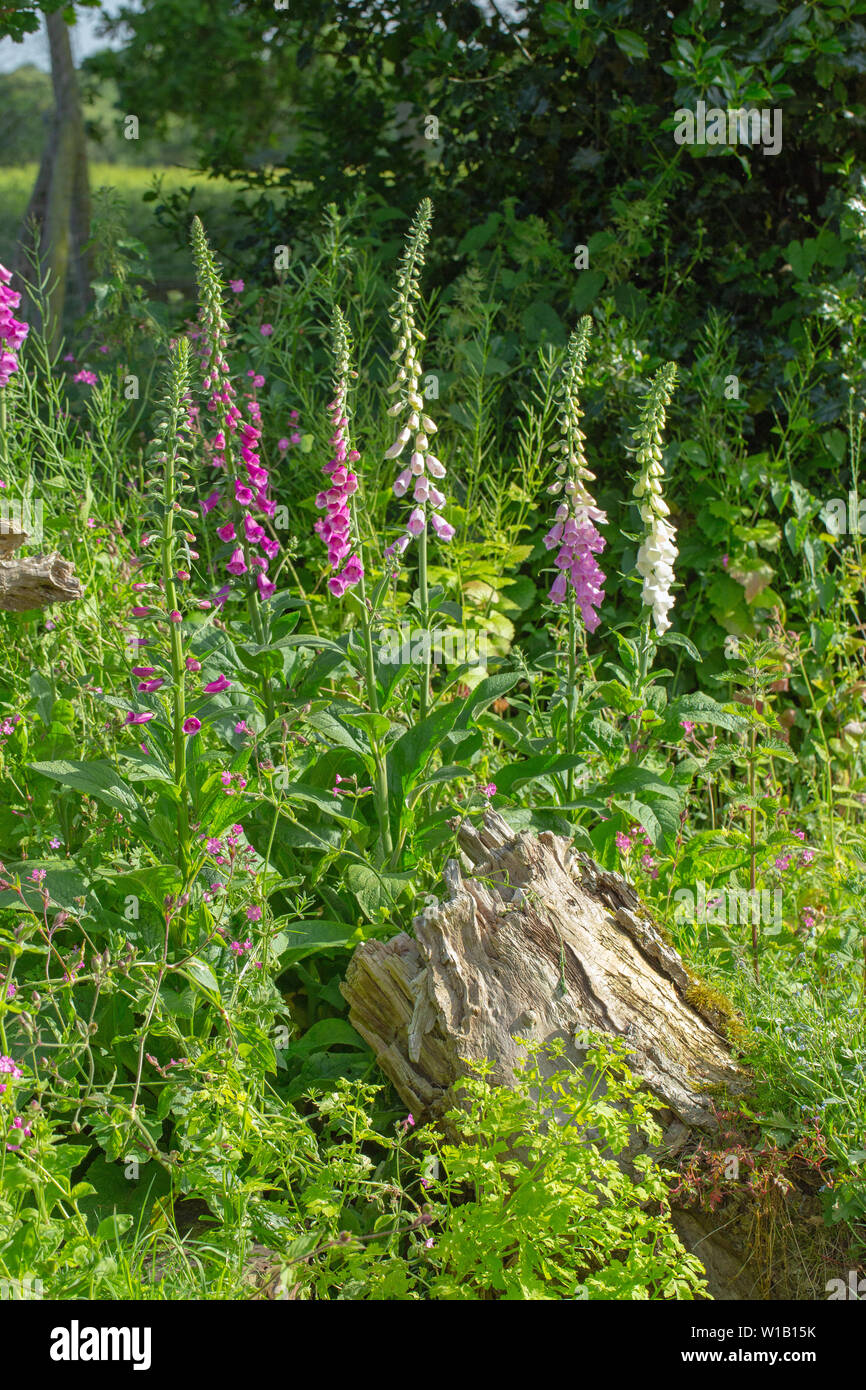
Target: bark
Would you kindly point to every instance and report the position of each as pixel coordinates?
(57, 221)
(36, 581)
(540, 943)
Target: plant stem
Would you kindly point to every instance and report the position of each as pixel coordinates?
(381, 774)
(753, 850)
(425, 621)
(570, 691)
(178, 667)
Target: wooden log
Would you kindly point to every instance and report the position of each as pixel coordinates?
(36, 581)
(540, 943)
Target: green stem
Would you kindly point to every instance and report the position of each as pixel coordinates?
(178, 667)
(425, 622)
(570, 691)
(753, 851)
(381, 776)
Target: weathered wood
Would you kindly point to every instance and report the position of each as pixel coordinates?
(36, 581)
(540, 943)
(488, 964)
(10, 539)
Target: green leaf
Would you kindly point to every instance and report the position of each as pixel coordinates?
(295, 940)
(113, 1227)
(328, 723)
(201, 975)
(375, 890)
(157, 882)
(327, 1033)
(679, 639)
(97, 778)
(515, 775)
(631, 44)
(408, 757)
(699, 709)
(490, 689)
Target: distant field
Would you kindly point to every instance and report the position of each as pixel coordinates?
(170, 264)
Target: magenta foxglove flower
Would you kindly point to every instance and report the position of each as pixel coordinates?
(573, 534)
(191, 725)
(214, 687)
(234, 434)
(12, 332)
(337, 527)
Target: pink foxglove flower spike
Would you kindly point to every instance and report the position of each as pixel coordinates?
(12, 332)
(337, 528)
(573, 534)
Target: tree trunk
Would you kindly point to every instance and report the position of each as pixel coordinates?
(540, 944)
(57, 221)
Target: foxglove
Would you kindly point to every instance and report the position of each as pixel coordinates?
(574, 530)
(244, 494)
(418, 465)
(12, 332)
(658, 551)
(337, 527)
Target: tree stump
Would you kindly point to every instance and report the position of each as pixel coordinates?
(36, 581)
(540, 943)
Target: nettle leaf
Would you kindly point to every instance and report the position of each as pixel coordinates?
(660, 820)
(157, 882)
(97, 778)
(375, 891)
(327, 722)
(699, 709)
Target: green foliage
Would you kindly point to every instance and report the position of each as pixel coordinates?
(533, 1206)
(177, 912)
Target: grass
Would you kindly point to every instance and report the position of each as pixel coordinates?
(171, 264)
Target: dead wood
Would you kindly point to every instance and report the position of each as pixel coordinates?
(36, 581)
